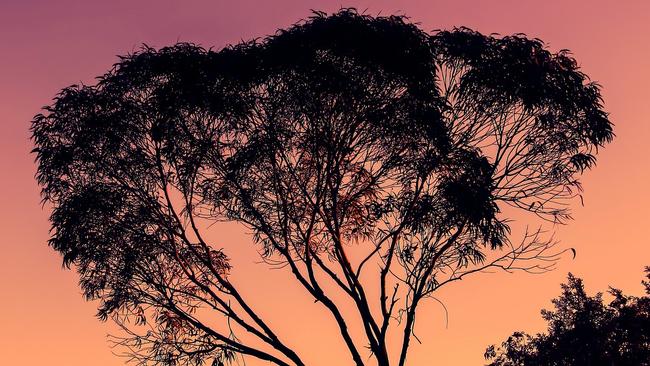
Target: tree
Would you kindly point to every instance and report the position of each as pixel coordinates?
(360, 151)
(582, 330)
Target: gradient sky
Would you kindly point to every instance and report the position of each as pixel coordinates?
(46, 45)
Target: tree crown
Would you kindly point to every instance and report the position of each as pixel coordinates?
(341, 129)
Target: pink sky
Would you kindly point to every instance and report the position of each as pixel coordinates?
(47, 45)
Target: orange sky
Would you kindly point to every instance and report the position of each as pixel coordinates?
(46, 45)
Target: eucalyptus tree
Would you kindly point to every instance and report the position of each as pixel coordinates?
(362, 153)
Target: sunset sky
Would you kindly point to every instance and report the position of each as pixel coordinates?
(46, 45)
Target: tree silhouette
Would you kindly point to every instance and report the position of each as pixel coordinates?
(582, 330)
(359, 151)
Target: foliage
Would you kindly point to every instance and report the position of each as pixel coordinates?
(583, 330)
(343, 133)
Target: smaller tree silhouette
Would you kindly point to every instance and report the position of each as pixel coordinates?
(583, 330)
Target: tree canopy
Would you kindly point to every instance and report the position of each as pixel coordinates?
(340, 135)
(583, 330)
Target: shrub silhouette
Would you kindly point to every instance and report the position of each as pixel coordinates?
(583, 330)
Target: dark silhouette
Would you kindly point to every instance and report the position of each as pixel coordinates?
(582, 330)
(352, 147)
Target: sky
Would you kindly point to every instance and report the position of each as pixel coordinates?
(47, 45)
